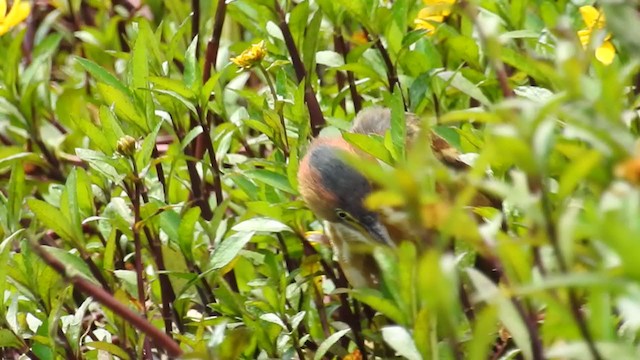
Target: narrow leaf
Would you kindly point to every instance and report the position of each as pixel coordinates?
(401, 341)
(52, 218)
(229, 249)
(328, 343)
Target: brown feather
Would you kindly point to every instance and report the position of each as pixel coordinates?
(353, 254)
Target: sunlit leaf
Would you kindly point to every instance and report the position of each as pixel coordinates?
(229, 249)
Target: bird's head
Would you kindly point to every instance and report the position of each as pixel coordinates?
(335, 191)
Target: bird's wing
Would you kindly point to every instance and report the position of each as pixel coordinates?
(377, 120)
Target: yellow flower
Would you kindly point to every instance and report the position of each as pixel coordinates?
(251, 56)
(629, 170)
(359, 37)
(355, 355)
(19, 11)
(433, 14)
(595, 21)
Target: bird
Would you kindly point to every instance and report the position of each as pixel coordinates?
(335, 192)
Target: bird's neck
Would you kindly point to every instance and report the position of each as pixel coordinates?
(354, 257)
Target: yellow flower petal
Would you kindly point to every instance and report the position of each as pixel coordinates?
(606, 53)
(592, 17)
(440, 8)
(19, 11)
(429, 11)
(585, 37)
(432, 19)
(424, 25)
(438, 2)
(4, 29)
(425, 12)
(3, 9)
(251, 56)
(429, 17)
(359, 37)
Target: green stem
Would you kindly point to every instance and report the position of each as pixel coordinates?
(277, 108)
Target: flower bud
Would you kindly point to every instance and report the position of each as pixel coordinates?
(126, 146)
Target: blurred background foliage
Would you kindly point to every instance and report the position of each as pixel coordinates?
(149, 158)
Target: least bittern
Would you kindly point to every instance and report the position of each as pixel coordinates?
(335, 192)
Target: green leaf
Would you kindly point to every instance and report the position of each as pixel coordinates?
(11, 110)
(412, 37)
(109, 251)
(376, 300)
(10, 340)
(270, 178)
(517, 13)
(228, 249)
(129, 281)
(362, 71)
(16, 196)
(186, 232)
(94, 133)
(75, 330)
(173, 86)
(297, 22)
(469, 115)
(484, 333)
(140, 71)
(261, 225)
(543, 73)
(192, 134)
(398, 129)
(329, 342)
(74, 264)
(259, 126)
(371, 144)
(274, 319)
(401, 341)
(12, 60)
(73, 207)
(507, 312)
(461, 83)
(329, 58)
(170, 223)
(143, 155)
(5, 254)
(42, 347)
(111, 128)
(21, 158)
(420, 91)
(71, 106)
(123, 106)
(359, 9)
(184, 101)
(110, 348)
(140, 63)
(311, 40)
(52, 218)
(465, 49)
(85, 194)
(100, 163)
(581, 350)
(103, 76)
(624, 24)
(192, 74)
(577, 170)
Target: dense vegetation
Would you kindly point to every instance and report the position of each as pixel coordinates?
(149, 202)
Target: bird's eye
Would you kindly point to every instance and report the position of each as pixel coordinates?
(343, 215)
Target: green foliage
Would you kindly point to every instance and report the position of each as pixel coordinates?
(194, 222)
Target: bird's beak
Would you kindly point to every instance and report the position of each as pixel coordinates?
(379, 233)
